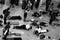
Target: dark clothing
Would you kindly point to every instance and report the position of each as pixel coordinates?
(43, 24)
(36, 14)
(15, 2)
(2, 2)
(42, 36)
(22, 27)
(36, 33)
(24, 4)
(48, 2)
(25, 15)
(1, 16)
(15, 18)
(37, 4)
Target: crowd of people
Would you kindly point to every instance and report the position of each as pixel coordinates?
(29, 5)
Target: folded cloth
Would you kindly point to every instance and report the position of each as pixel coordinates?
(15, 2)
(42, 36)
(36, 14)
(36, 33)
(1, 16)
(43, 24)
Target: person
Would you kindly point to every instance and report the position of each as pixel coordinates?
(6, 13)
(18, 38)
(15, 18)
(32, 2)
(1, 23)
(58, 6)
(24, 4)
(1, 16)
(48, 2)
(2, 1)
(6, 31)
(37, 4)
(25, 16)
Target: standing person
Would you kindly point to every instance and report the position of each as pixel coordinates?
(6, 31)
(6, 14)
(2, 1)
(37, 3)
(48, 2)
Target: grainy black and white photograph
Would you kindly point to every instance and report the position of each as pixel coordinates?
(29, 19)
